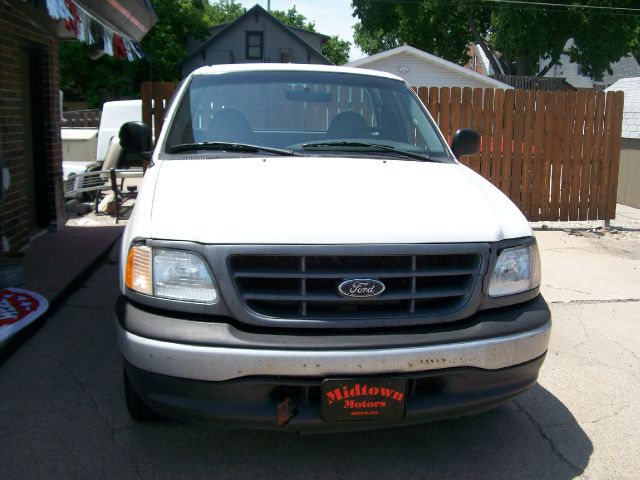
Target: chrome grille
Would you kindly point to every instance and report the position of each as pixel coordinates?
(306, 286)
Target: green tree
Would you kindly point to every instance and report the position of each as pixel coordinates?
(334, 49)
(374, 41)
(635, 46)
(521, 33)
(166, 43)
(293, 18)
(440, 29)
(108, 78)
(100, 80)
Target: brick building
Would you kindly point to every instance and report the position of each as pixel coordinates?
(30, 112)
(29, 122)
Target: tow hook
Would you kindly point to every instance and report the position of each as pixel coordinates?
(285, 413)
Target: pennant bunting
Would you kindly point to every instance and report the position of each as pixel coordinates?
(86, 29)
(58, 9)
(107, 41)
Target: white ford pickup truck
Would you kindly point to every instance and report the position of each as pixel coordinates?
(307, 254)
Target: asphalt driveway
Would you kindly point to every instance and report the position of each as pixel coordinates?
(62, 411)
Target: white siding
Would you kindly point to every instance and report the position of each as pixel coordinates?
(629, 176)
(421, 73)
(485, 61)
(626, 67)
(631, 113)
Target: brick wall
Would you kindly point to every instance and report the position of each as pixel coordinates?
(23, 26)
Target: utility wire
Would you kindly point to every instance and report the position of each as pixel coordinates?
(521, 4)
(565, 5)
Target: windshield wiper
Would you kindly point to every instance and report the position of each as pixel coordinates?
(229, 146)
(364, 146)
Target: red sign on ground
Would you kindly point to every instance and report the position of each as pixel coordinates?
(18, 308)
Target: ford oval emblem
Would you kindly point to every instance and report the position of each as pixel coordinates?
(361, 288)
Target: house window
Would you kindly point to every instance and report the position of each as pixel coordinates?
(254, 45)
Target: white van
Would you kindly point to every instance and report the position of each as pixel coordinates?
(307, 253)
(114, 115)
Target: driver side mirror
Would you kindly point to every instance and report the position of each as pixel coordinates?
(465, 142)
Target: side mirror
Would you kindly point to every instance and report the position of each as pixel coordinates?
(465, 142)
(134, 136)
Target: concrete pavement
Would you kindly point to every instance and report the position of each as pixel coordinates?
(62, 411)
(593, 367)
(56, 262)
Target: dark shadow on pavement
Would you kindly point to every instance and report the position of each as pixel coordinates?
(533, 437)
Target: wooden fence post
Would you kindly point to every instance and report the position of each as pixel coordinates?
(155, 101)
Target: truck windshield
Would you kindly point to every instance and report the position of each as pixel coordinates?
(303, 111)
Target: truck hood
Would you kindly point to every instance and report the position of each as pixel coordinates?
(321, 200)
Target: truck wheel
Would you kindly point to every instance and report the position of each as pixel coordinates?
(138, 411)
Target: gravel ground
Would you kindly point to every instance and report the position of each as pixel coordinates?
(92, 219)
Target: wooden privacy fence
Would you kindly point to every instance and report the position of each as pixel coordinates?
(155, 101)
(533, 82)
(555, 154)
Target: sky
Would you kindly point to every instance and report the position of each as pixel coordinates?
(332, 17)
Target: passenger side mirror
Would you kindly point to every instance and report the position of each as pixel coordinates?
(465, 142)
(134, 136)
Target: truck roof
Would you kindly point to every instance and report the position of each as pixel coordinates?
(289, 67)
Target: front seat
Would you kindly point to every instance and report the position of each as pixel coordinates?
(348, 125)
(125, 151)
(229, 125)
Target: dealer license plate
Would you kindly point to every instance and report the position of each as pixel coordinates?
(358, 399)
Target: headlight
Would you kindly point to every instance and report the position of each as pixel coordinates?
(517, 270)
(173, 274)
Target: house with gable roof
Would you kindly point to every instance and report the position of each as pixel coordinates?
(571, 74)
(422, 69)
(625, 67)
(629, 176)
(256, 36)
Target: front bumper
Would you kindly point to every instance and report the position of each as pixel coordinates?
(291, 404)
(215, 364)
(216, 371)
